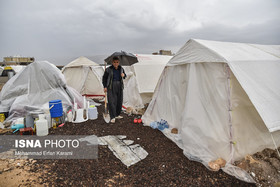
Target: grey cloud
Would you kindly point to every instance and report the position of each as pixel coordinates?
(66, 29)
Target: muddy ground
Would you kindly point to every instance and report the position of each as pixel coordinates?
(164, 166)
(263, 166)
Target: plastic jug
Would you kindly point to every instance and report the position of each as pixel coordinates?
(92, 113)
(42, 128)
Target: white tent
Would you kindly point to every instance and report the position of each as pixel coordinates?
(224, 98)
(142, 79)
(85, 76)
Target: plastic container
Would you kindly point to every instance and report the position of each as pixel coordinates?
(56, 109)
(2, 117)
(70, 116)
(16, 127)
(92, 113)
(154, 124)
(166, 125)
(42, 128)
(161, 126)
(29, 121)
(4, 110)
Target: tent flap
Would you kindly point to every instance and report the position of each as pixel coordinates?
(260, 80)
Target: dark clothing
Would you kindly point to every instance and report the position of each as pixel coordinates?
(108, 76)
(116, 74)
(115, 99)
(113, 81)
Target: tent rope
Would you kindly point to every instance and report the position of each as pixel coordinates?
(275, 145)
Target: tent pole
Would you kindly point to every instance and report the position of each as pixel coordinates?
(230, 114)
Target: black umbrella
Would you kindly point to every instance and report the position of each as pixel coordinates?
(126, 59)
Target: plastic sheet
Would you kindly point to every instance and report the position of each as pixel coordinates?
(123, 150)
(33, 88)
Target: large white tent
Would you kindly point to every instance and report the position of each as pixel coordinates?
(142, 79)
(85, 76)
(224, 98)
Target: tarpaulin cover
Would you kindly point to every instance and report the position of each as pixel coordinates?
(34, 87)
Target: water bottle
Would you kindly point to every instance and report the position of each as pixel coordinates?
(154, 124)
(160, 125)
(166, 125)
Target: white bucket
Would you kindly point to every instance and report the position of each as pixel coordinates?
(92, 113)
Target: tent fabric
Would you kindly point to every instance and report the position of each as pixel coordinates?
(81, 61)
(33, 87)
(148, 71)
(142, 79)
(221, 97)
(256, 67)
(85, 76)
(131, 95)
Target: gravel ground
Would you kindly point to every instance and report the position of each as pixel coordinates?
(164, 166)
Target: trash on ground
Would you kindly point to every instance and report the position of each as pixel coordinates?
(160, 125)
(123, 150)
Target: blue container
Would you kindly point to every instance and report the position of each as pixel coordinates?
(56, 109)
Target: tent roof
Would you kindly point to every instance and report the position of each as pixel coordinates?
(81, 61)
(146, 59)
(256, 67)
(148, 71)
(213, 51)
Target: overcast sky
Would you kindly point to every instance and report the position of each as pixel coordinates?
(57, 29)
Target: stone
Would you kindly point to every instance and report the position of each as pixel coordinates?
(174, 131)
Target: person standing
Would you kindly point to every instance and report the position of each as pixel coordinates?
(113, 84)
